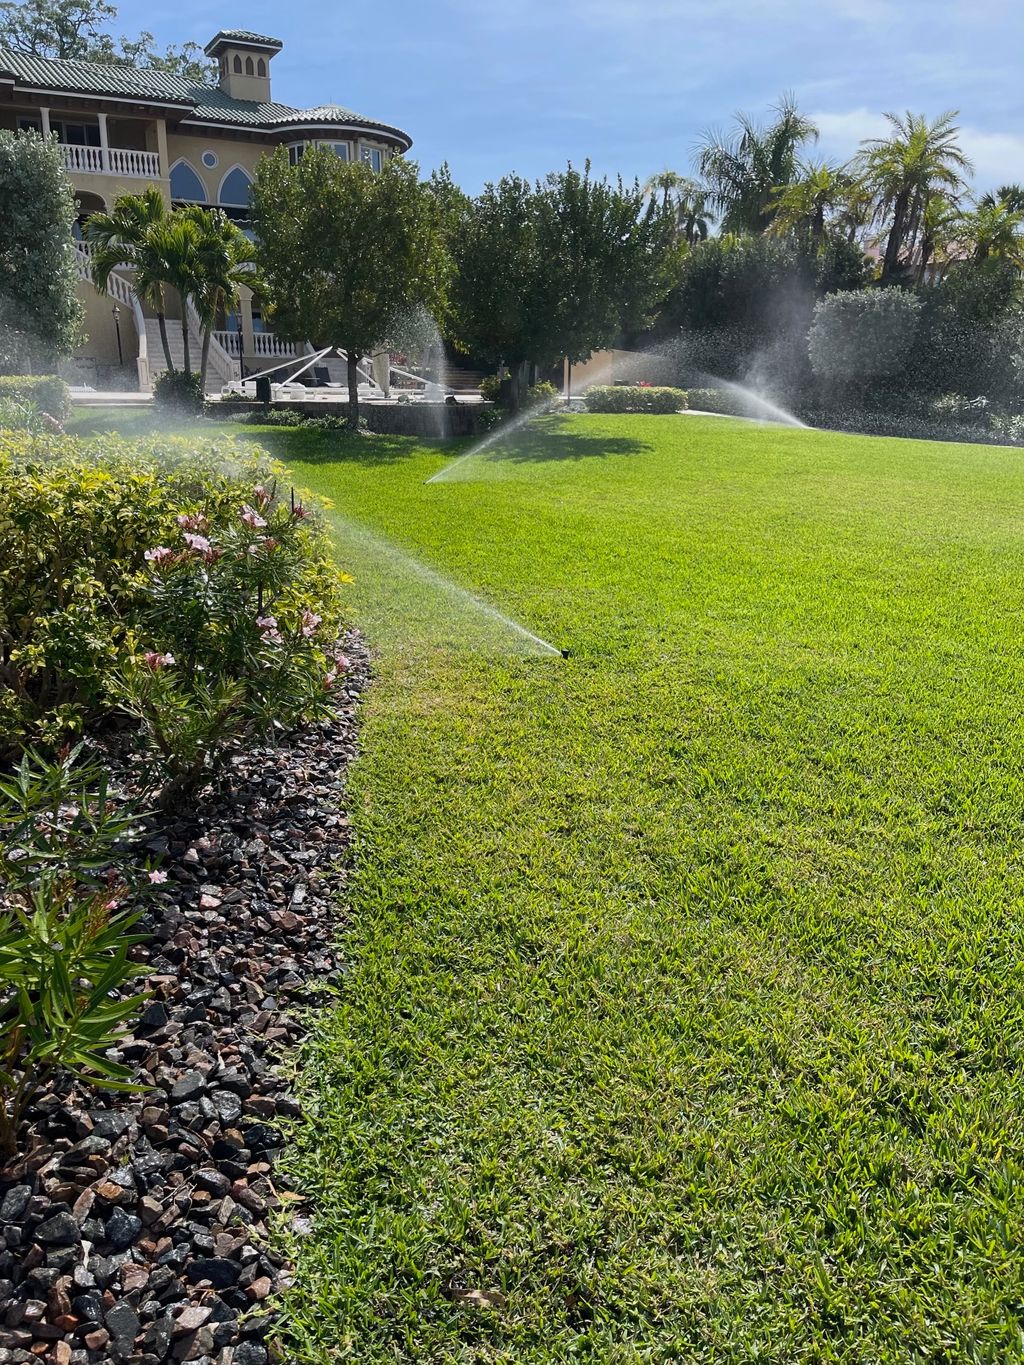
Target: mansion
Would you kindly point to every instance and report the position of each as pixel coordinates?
(122, 129)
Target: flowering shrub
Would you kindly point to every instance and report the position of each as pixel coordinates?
(634, 398)
(239, 619)
(110, 550)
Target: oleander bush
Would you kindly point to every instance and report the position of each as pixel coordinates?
(634, 398)
(171, 581)
(46, 392)
(717, 400)
(65, 934)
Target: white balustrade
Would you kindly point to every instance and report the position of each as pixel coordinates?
(267, 344)
(231, 341)
(120, 161)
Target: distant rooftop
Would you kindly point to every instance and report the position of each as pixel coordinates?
(240, 37)
(191, 103)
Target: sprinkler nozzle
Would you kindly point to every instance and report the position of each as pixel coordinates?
(565, 653)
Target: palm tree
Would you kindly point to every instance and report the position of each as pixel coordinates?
(225, 260)
(127, 237)
(904, 171)
(940, 225)
(807, 207)
(686, 199)
(993, 231)
(743, 169)
(1010, 195)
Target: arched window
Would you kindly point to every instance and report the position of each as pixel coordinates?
(261, 67)
(235, 187)
(238, 64)
(250, 70)
(185, 184)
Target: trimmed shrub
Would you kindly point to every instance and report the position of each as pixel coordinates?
(859, 336)
(538, 395)
(47, 392)
(114, 554)
(490, 389)
(179, 391)
(717, 400)
(634, 398)
(955, 408)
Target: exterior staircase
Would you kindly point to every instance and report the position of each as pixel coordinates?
(222, 367)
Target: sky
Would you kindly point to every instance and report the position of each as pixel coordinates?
(492, 86)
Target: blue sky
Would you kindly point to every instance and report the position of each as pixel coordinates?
(526, 85)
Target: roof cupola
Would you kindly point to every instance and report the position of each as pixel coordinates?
(244, 59)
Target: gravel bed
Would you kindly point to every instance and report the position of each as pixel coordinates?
(134, 1226)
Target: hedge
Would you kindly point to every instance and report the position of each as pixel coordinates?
(634, 398)
(720, 401)
(48, 392)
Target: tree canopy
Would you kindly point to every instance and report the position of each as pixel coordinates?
(562, 267)
(346, 252)
(40, 316)
(76, 30)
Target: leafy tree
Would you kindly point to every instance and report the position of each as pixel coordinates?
(685, 199)
(40, 316)
(904, 172)
(344, 251)
(559, 268)
(77, 30)
(1012, 196)
(994, 231)
(744, 168)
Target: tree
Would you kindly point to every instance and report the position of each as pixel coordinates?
(344, 251)
(859, 336)
(560, 268)
(814, 206)
(160, 247)
(224, 262)
(1012, 196)
(76, 30)
(685, 199)
(904, 172)
(994, 231)
(744, 168)
(40, 316)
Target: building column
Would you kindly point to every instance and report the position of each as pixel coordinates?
(45, 115)
(165, 163)
(245, 316)
(104, 144)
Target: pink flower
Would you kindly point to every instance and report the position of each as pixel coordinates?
(157, 661)
(198, 544)
(342, 663)
(252, 518)
(191, 521)
(159, 555)
(299, 512)
(267, 626)
(261, 495)
(111, 905)
(157, 877)
(310, 621)
(211, 556)
(329, 680)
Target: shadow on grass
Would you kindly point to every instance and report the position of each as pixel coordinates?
(338, 447)
(550, 438)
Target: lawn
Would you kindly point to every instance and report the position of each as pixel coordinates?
(684, 1016)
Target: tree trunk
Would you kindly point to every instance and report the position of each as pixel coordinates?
(517, 384)
(891, 259)
(205, 361)
(162, 324)
(353, 390)
(186, 355)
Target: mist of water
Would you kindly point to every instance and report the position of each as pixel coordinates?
(758, 408)
(415, 600)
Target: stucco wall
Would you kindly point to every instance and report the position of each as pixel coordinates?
(101, 335)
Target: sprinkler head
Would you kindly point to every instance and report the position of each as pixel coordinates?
(565, 653)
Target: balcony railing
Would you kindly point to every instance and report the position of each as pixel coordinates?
(264, 344)
(112, 161)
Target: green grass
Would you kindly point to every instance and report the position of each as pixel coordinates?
(685, 995)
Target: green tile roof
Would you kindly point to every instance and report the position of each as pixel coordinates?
(241, 35)
(198, 103)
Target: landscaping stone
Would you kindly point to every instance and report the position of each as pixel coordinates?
(133, 1226)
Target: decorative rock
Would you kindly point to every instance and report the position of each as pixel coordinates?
(59, 1231)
